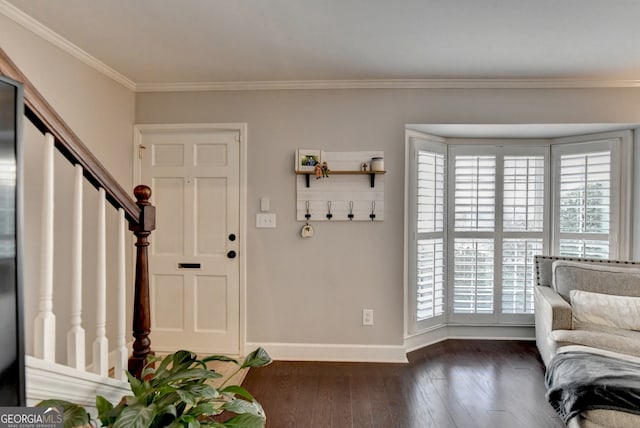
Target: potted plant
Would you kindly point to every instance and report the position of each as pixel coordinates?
(176, 394)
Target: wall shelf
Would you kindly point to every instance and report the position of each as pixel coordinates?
(371, 174)
(346, 194)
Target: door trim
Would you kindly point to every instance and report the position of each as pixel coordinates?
(140, 129)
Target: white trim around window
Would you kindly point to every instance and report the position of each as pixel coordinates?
(594, 151)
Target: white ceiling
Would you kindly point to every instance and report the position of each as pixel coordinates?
(200, 41)
(236, 44)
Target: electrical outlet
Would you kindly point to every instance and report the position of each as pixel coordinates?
(266, 220)
(367, 317)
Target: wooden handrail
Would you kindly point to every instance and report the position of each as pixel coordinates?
(46, 119)
(140, 214)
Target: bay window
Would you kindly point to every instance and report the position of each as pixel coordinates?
(479, 213)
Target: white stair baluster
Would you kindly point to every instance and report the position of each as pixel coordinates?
(75, 335)
(45, 322)
(101, 344)
(121, 344)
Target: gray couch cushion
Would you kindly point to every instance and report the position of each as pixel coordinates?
(544, 265)
(596, 278)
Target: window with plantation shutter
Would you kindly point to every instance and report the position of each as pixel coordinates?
(518, 274)
(479, 213)
(523, 227)
(499, 212)
(430, 279)
(428, 213)
(474, 204)
(473, 280)
(585, 181)
(587, 197)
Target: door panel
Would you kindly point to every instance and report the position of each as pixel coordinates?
(194, 284)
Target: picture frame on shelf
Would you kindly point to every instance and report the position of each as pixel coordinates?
(307, 159)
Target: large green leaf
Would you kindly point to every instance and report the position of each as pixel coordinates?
(246, 420)
(236, 389)
(137, 387)
(243, 406)
(203, 390)
(183, 357)
(193, 392)
(105, 410)
(187, 396)
(199, 374)
(137, 416)
(165, 416)
(219, 358)
(190, 421)
(205, 408)
(73, 415)
(162, 368)
(257, 358)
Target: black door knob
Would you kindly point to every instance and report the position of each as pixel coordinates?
(231, 254)
(232, 237)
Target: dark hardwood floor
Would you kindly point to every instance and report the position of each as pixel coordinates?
(456, 383)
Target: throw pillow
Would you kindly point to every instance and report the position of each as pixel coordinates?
(606, 309)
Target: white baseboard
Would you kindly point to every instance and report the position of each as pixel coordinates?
(391, 353)
(332, 352)
(479, 332)
(45, 380)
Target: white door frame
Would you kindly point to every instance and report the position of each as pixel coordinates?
(140, 129)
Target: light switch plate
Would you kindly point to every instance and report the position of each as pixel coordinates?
(266, 220)
(264, 204)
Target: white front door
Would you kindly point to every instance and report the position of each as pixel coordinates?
(194, 175)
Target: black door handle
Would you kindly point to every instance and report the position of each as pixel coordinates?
(231, 254)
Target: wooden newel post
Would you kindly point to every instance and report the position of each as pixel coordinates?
(141, 305)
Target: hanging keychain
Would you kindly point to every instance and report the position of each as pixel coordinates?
(307, 230)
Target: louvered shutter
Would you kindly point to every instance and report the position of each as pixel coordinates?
(474, 197)
(430, 233)
(523, 227)
(584, 204)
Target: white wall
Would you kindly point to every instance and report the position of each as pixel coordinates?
(313, 291)
(101, 112)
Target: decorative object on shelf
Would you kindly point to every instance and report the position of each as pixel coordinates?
(377, 164)
(325, 169)
(307, 159)
(318, 169)
(350, 192)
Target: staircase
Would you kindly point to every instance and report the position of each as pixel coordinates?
(100, 347)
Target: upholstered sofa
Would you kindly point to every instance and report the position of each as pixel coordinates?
(590, 306)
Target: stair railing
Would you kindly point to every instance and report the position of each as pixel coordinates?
(141, 218)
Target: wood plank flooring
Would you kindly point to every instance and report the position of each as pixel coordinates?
(456, 383)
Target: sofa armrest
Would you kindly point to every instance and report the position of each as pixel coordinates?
(550, 305)
(552, 312)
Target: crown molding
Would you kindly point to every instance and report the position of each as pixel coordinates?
(54, 38)
(389, 84)
(47, 34)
